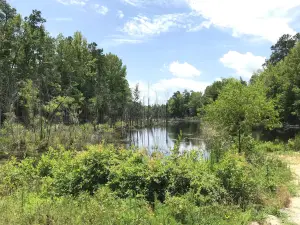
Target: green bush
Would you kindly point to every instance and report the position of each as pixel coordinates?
(83, 173)
(237, 177)
(294, 144)
(270, 147)
(109, 185)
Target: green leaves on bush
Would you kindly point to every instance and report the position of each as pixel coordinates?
(182, 189)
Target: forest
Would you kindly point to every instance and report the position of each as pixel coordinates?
(61, 96)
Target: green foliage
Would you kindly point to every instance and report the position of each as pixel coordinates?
(53, 88)
(282, 86)
(105, 208)
(294, 144)
(282, 48)
(105, 183)
(240, 108)
(186, 104)
(213, 91)
(237, 177)
(46, 80)
(270, 147)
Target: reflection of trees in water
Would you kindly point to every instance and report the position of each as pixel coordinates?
(163, 138)
(190, 132)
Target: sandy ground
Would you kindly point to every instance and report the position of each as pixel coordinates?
(293, 211)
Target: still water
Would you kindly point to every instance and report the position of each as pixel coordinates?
(163, 138)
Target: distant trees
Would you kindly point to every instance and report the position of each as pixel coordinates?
(191, 104)
(176, 106)
(185, 104)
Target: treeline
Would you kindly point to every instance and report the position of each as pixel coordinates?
(191, 104)
(45, 80)
(185, 104)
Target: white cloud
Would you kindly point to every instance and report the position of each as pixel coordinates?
(103, 10)
(73, 2)
(243, 64)
(162, 90)
(126, 41)
(141, 3)
(174, 84)
(204, 24)
(64, 19)
(267, 19)
(120, 14)
(259, 20)
(183, 70)
(116, 40)
(142, 26)
(147, 90)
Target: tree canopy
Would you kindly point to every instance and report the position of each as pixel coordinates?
(58, 69)
(240, 108)
(282, 48)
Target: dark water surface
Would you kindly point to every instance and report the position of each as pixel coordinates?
(163, 138)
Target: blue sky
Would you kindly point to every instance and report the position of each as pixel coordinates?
(171, 45)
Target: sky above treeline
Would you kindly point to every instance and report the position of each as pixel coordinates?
(171, 45)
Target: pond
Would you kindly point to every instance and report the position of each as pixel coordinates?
(163, 138)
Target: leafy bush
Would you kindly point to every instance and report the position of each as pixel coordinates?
(140, 188)
(294, 144)
(270, 147)
(237, 177)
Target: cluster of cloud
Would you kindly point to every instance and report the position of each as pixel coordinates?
(162, 90)
(267, 20)
(184, 75)
(100, 9)
(143, 3)
(184, 70)
(243, 64)
(73, 2)
(120, 14)
(261, 20)
(143, 27)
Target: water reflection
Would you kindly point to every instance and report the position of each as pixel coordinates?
(163, 138)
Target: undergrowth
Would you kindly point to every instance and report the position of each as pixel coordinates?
(109, 185)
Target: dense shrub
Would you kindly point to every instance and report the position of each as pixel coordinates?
(270, 147)
(237, 177)
(294, 144)
(181, 189)
(104, 207)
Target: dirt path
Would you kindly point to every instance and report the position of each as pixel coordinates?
(293, 211)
